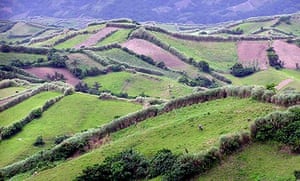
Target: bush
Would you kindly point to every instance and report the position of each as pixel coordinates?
(297, 174)
(162, 162)
(59, 139)
(239, 71)
(37, 113)
(39, 141)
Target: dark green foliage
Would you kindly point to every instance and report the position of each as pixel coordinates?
(37, 113)
(59, 139)
(297, 174)
(162, 162)
(274, 59)
(56, 77)
(204, 66)
(56, 60)
(39, 141)
(127, 165)
(82, 87)
(198, 81)
(271, 86)
(239, 71)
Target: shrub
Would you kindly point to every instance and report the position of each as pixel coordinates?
(162, 162)
(39, 141)
(274, 59)
(239, 71)
(37, 113)
(297, 174)
(59, 139)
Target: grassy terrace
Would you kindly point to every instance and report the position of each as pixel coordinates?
(6, 58)
(177, 130)
(9, 91)
(19, 111)
(124, 57)
(118, 37)
(72, 114)
(135, 84)
(257, 162)
(219, 55)
(70, 43)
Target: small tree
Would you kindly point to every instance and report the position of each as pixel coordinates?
(39, 141)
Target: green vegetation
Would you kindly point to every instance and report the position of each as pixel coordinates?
(269, 76)
(6, 58)
(124, 57)
(136, 84)
(118, 37)
(82, 61)
(51, 41)
(250, 27)
(292, 27)
(72, 114)
(177, 131)
(9, 91)
(71, 43)
(19, 111)
(219, 55)
(259, 161)
(93, 28)
(23, 29)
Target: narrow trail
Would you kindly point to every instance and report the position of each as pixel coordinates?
(283, 83)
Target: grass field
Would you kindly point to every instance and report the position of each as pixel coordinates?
(9, 91)
(135, 84)
(82, 61)
(70, 43)
(177, 130)
(51, 41)
(219, 55)
(124, 57)
(22, 28)
(294, 27)
(6, 58)
(250, 27)
(118, 37)
(72, 114)
(93, 28)
(260, 161)
(19, 111)
(269, 76)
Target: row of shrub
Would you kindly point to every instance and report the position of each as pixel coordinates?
(131, 165)
(11, 130)
(22, 49)
(80, 141)
(12, 83)
(41, 39)
(44, 87)
(121, 25)
(239, 70)
(220, 77)
(10, 72)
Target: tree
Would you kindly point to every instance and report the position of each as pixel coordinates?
(239, 71)
(39, 141)
(204, 66)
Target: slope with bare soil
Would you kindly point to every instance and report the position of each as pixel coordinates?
(288, 53)
(253, 53)
(42, 72)
(93, 39)
(158, 54)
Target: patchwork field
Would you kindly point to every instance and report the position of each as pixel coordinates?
(22, 28)
(250, 27)
(159, 55)
(82, 61)
(288, 53)
(253, 53)
(177, 130)
(136, 84)
(70, 43)
(72, 114)
(118, 37)
(19, 111)
(42, 72)
(93, 39)
(6, 58)
(219, 55)
(10, 91)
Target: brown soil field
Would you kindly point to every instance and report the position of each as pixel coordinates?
(156, 53)
(288, 53)
(283, 83)
(93, 39)
(253, 53)
(42, 72)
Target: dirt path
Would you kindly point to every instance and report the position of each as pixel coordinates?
(283, 83)
(93, 39)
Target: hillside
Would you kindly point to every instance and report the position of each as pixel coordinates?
(176, 11)
(150, 101)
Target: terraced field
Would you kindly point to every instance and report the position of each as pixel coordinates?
(136, 84)
(124, 57)
(22, 28)
(51, 41)
(70, 43)
(6, 92)
(19, 111)
(219, 55)
(250, 27)
(82, 61)
(6, 58)
(72, 114)
(177, 130)
(118, 37)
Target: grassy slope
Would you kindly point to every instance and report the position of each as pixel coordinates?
(257, 162)
(135, 84)
(5, 58)
(267, 77)
(6, 92)
(22, 109)
(84, 62)
(118, 37)
(70, 115)
(219, 55)
(250, 27)
(51, 41)
(93, 28)
(23, 29)
(70, 43)
(124, 57)
(294, 27)
(177, 130)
